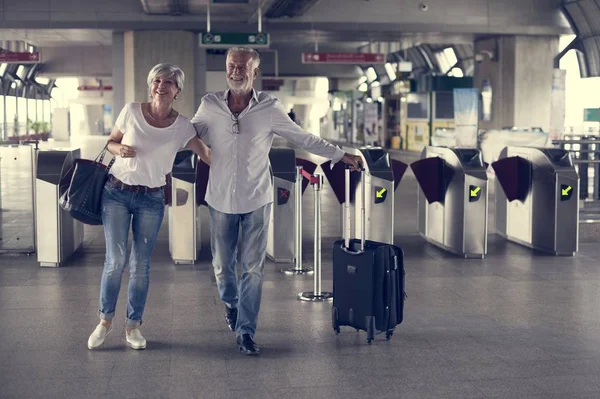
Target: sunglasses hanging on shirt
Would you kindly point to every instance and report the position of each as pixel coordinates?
(236, 124)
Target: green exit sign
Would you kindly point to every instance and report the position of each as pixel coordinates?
(591, 115)
(223, 40)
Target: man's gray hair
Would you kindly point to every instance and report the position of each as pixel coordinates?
(169, 71)
(245, 50)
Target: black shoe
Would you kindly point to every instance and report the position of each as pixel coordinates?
(246, 345)
(231, 317)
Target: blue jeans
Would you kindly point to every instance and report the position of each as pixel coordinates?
(244, 295)
(144, 211)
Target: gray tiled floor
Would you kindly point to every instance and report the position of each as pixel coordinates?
(515, 325)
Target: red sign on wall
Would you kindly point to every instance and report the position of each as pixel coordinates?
(10, 57)
(343, 58)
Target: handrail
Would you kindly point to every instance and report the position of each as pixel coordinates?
(576, 141)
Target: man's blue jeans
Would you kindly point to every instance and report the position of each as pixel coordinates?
(144, 211)
(246, 295)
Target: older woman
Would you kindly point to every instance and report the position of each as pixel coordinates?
(145, 140)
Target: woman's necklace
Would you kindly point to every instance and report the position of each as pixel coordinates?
(158, 120)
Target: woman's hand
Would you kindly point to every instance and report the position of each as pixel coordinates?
(126, 151)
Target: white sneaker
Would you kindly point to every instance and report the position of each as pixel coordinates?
(135, 339)
(98, 336)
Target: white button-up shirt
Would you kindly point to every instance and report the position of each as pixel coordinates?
(240, 178)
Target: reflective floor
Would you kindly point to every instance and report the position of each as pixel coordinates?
(514, 325)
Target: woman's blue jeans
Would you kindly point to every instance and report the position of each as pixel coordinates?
(144, 212)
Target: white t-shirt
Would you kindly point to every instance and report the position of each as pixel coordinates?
(155, 147)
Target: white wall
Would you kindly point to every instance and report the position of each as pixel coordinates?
(215, 81)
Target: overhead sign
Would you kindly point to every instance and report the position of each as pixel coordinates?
(11, 57)
(223, 40)
(343, 58)
(591, 114)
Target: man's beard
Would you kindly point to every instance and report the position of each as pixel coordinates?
(241, 87)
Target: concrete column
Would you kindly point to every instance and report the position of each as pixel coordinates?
(144, 49)
(201, 75)
(118, 73)
(519, 70)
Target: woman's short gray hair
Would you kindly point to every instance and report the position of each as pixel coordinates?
(245, 50)
(169, 71)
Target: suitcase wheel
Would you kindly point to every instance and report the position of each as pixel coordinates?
(388, 335)
(369, 341)
(337, 330)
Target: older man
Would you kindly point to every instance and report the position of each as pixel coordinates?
(239, 124)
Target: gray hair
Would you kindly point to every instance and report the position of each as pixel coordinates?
(169, 71)
(245, 50)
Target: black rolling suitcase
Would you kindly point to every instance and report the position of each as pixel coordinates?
(368, 282)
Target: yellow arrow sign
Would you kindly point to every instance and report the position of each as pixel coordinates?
(565, 191)
(474, 192)
(380, 193)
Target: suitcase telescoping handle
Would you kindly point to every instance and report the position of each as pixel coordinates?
(348, 216)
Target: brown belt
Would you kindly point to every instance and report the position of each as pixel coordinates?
(136, 189)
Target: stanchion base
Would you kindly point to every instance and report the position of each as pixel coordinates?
(294, 272)
(311, 297)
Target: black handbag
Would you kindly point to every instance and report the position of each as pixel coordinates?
(84, 184)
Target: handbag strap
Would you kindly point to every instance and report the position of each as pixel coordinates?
(100, 156)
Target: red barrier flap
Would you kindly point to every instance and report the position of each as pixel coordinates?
(433, 175)
(311, 179)
(202, 171)
(398, 170)
(168, 190)
(308, 166)
(336, 178)
(514, 175)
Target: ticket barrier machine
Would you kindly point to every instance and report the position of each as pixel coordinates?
(382, 177)
(453, 199)
(284, 240)
(537, 192)
(185, 195)
(281, 242)
(57, 234)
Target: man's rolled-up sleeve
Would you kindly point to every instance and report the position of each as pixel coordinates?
(200, 121)
(283, 126)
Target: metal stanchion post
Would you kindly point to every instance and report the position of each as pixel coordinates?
(596, 183)
(583, 171)
(34, 153)
(298, 269)
(317, 295)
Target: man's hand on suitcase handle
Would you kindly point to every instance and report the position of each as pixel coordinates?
(354, 162)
